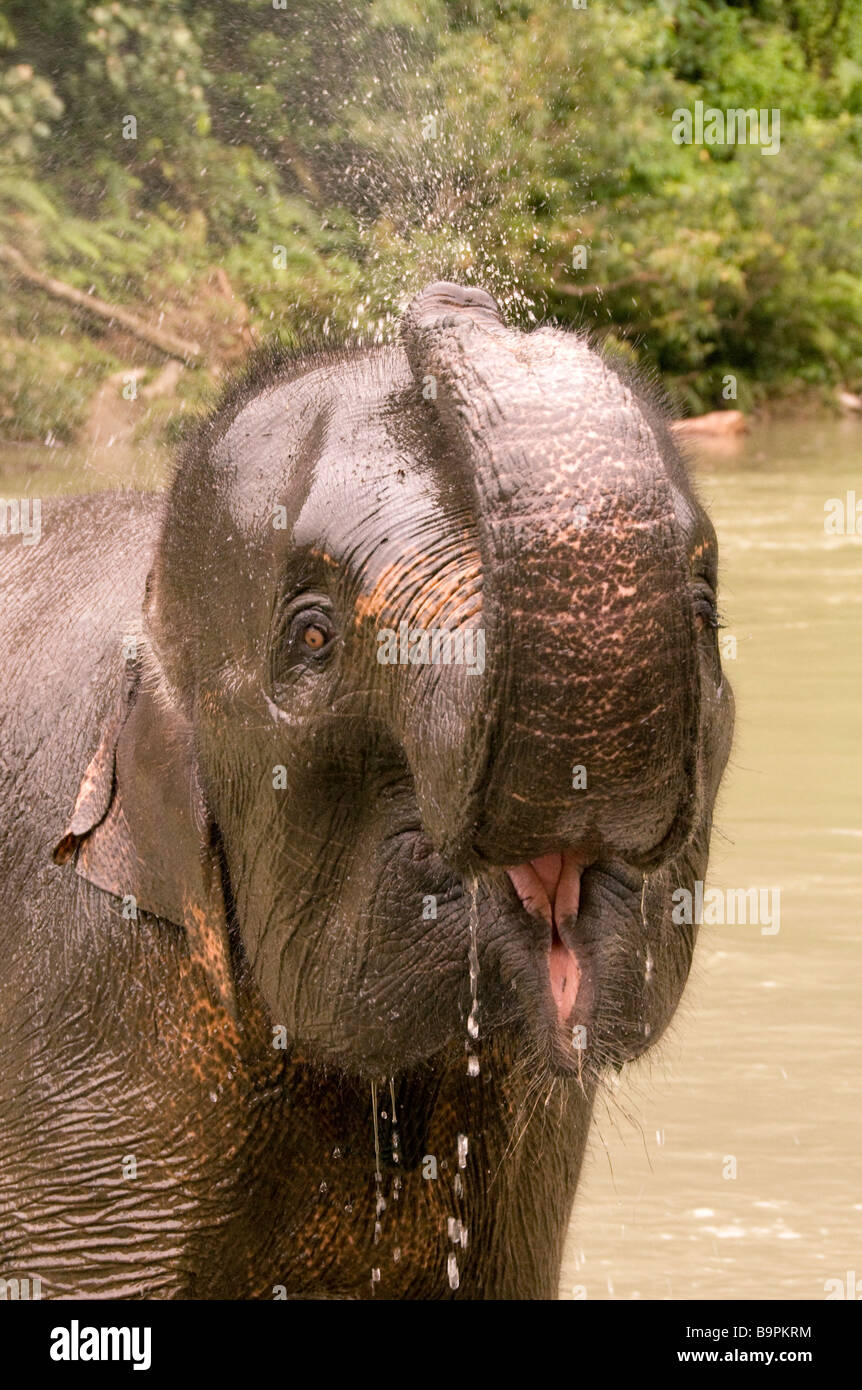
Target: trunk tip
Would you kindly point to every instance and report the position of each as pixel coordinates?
(446, 305)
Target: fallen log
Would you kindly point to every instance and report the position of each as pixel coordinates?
(166, 342)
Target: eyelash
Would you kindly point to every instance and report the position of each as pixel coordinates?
(705, 608)
(710, 615)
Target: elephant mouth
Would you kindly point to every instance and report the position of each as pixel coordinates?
(549, 888)
(538, 972)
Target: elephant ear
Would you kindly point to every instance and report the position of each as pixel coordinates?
(140, 829)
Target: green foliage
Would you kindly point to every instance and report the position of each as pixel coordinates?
(328, 157)
(28, 104)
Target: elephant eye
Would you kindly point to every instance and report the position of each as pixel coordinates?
(706, 614)
(311, 634)
(314, 637)
(304, 636)
(707, 622)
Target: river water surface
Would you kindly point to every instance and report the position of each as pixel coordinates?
(760, 1074)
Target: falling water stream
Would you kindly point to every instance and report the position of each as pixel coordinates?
(391, 1116)
(473, 963)
(457, 1227)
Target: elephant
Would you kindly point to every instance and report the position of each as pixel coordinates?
(322, 930)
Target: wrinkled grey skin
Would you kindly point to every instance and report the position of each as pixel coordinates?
(279, 818)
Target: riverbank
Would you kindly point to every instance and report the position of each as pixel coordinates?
(117, 398)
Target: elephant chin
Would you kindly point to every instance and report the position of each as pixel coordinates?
(550, 888)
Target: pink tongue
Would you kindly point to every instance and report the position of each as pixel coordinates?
(550, 887)
(565, 979)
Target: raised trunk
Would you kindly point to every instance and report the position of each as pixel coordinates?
(565, 467)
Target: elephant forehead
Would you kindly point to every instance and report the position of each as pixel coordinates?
(396, 549)
(432, 585)
(394, 526)
(292, 431)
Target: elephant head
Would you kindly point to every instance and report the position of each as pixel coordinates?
(430, 717)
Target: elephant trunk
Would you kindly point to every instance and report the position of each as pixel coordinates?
(583, 732)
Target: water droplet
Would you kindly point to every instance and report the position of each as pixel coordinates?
(380, 1203)
(473, 963)
(457, 1232)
